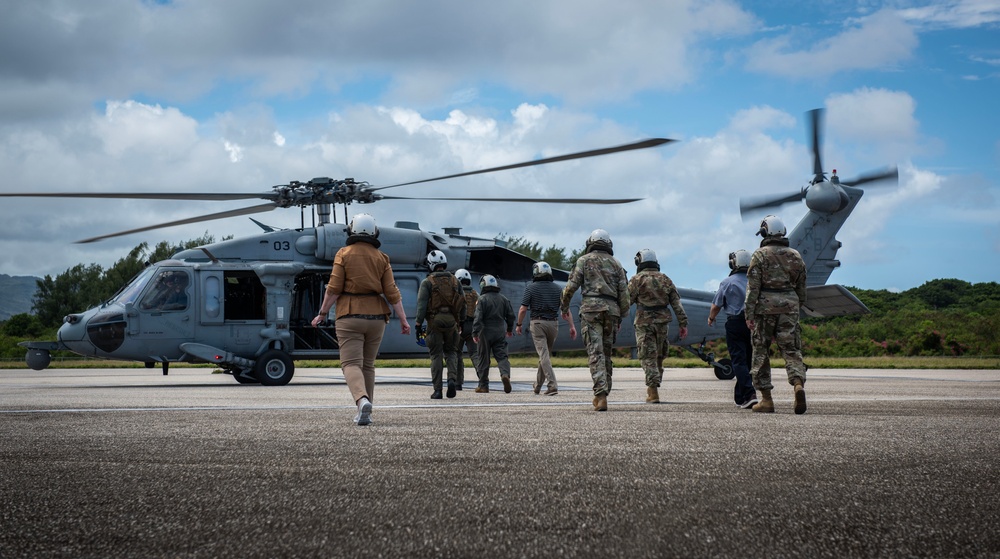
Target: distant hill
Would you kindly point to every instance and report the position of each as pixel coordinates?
(17, 294)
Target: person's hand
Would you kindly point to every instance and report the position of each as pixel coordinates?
(475, 339)
(683, 333)
(510, 334)
(711, 321)
(404, 327)
(751, 325)
(572, 332)
(319, 318)
(518, 330)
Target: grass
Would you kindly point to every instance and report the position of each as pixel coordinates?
(882, 362)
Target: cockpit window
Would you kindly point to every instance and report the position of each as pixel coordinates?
(168, 292)
(129, 293)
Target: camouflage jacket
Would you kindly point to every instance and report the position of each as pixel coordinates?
(601, 280)
(653, 294)
(776, 279)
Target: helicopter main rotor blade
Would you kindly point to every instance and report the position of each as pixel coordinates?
(756, 203)
(217, 196)
(653, 142)
(231, 213)
(531, 200)
(815, 117)
(872, 177)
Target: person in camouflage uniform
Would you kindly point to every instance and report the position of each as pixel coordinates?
(604, 286)
(465, 341)
(776, 291)
(441, 301)
(654, 294)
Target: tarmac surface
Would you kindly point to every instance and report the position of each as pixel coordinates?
(130, 463)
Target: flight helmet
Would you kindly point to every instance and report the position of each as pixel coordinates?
(541, 269)
(739, 260)
(464, 276)
(363, 224)
(599, 238)
(436, 258)
(771, 226)
(488, 281)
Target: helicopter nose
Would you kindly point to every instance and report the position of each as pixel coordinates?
(73, 334)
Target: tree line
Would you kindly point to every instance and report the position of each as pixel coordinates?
(940, 317)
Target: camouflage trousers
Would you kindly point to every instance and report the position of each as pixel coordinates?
(783, 329)
(652, 343)
(599, 330)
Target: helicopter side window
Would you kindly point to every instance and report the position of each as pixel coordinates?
(130, 292)
(244, 296)
(168, 292)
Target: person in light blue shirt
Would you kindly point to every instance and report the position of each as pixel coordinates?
(731, 299)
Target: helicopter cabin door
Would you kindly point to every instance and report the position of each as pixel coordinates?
(165, 311)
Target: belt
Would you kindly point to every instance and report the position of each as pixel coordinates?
(365, 316)
(740, 316)
(372, 294)
(603, 296)
(544, 319)
(656, 308)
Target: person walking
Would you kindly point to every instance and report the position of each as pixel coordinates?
(465, 341)
(541, 298)
(653, 293)
(441, 302)
(731, 299)
(776, 291)
(493, 324)
(604, 287)
(362, 286)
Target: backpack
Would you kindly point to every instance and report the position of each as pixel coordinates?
(445, 293)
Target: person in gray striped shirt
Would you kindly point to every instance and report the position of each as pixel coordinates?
(541, 297)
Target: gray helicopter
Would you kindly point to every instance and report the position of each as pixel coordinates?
(246, 304)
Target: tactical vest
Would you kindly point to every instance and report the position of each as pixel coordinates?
(471, 300)
(444, 296)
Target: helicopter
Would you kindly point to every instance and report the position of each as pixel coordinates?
(245, 304)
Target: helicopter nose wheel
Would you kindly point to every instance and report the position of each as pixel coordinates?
(274, 368)
(724, 369)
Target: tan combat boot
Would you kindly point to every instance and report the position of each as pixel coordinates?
(601, 402)
(766, 404)
(652, 395)
(800, 397)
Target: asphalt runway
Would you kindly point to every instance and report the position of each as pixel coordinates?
(130, 463)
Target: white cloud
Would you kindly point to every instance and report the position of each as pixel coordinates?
(880, 41)
(954, 14)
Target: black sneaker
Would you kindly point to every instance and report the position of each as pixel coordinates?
(436, 395)
(749, 403)
(451, 389)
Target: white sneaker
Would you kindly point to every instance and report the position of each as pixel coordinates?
(364, 416)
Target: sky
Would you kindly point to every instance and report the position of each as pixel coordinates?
(240, 95)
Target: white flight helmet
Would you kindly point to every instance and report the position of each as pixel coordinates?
(644, 256)
(739, 259)
(363, 224)
(599, 236)
(771, 226)
(464, 276)
(436, 258)
(541, 269)
(488, 281)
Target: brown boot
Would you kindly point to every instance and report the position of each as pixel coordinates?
(601, 402)
(766, 404)
(652, 395)
(800, 397)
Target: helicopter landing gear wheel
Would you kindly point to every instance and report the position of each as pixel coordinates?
(724, 369)
(274, 368)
